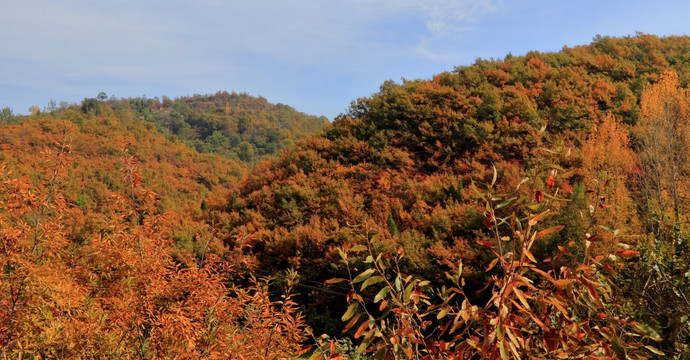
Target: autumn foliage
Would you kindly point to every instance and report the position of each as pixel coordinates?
(527, 207)
(560, 307)
(120, 293)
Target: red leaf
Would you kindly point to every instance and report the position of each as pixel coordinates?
(549, 181)
(627, 253)
(594, 237)
(491, 264)
(305, 349)
(538, 196)
(350, 296)
(486, 243)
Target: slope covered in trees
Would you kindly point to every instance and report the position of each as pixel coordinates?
(410, 150)
(400, 164)
(182, 177)
(237, 126)
(104, 251)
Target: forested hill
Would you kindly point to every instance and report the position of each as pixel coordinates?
(400, 164)
(103, 223)
(237, 126)
(169, 137)
(410, 149)
(97, 145)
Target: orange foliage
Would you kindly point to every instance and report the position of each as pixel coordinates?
(120, 292)
(608, 164)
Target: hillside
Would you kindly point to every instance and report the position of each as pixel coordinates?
(411, 150)
(106, 202)
(400, 163)
(237, 126)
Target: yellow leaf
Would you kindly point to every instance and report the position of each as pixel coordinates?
(530, 256)
(562, 282)
(550, 230)
(521, 296)
(533, 221)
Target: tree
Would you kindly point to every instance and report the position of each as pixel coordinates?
(663, 146)
(663, 150)
(7, 116)
(246, 151)
(608, 163)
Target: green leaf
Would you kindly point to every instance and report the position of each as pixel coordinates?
(380, 353)
(654, 350)
(503, 351)
(363, 276)
(499, 332)
(521, 182)
(534, 207)
(617, 347)
(358, 248)
(493, 181)
(365, 342)
(351, 311)
(408, 292)
(476, 191)
(372, 280)
(505, 203)
(647, 330)
(382, 294)
(568, 174)
(554, 166)
(607, 228)
(549, 196)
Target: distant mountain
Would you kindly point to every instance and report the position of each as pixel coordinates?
(237, 126)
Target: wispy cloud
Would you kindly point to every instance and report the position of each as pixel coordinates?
(316, 55)
(71, 48)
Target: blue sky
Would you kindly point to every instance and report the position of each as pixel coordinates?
(314, 55)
